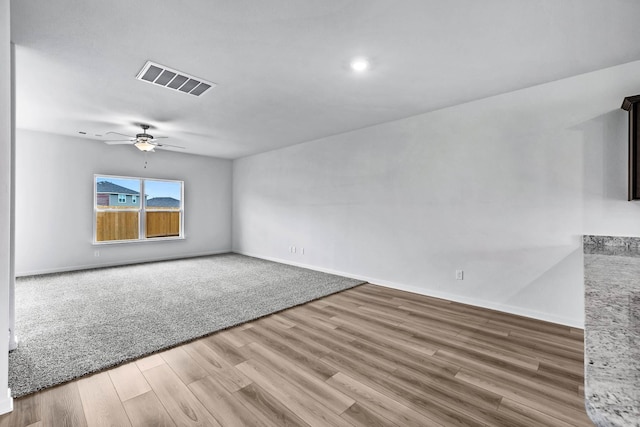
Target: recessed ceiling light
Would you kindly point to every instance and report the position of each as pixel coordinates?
(360, 65)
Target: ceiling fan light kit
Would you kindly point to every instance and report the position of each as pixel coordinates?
(144, 146)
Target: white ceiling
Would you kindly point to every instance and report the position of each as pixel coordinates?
(282, 65)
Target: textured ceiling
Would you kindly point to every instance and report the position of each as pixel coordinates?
(282, 65)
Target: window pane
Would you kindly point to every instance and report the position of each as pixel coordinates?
(163, 195)
(117, 204)
(163, 208)
(117, 193)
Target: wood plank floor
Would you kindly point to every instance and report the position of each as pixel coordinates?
(368, 356)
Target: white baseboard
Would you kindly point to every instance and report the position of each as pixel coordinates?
(539, 315)
(548, 317)
(115, 264)
(300, 264)
(6, 404)
(13, 342)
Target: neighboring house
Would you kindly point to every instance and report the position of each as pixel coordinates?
(163, 202)
(110, 194)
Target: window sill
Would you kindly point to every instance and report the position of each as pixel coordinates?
(151, 239)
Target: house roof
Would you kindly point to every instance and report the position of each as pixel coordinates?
(164, 202)
(111, 188)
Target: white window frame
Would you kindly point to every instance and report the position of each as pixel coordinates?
(141, 211)
(122, 198)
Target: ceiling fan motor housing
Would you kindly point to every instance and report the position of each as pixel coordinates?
(144, 135)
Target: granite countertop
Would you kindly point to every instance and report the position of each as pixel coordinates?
(612, 330)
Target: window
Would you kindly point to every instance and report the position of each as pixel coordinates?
(163, 208)
(137, 209)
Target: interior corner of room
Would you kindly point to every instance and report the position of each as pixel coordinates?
(482, 200)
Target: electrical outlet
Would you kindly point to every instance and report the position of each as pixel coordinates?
(301, 251)
(96, 253)
(459, 275)
(293, 249)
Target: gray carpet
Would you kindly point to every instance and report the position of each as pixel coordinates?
(72, 324)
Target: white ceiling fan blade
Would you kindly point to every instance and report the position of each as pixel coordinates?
(118, 142)
(169, 145)
(118, 133)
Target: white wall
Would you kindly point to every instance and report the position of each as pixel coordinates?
(6, 403)
(54, 202)
(502, 188)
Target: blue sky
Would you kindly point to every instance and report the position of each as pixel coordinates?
(152, 188)
(162, 189)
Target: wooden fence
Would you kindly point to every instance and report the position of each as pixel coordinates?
(163, 224)
(116, 225)
(119, 225)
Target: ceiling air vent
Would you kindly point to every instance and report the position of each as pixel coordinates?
(173, 79)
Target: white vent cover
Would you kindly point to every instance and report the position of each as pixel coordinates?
(173, 79)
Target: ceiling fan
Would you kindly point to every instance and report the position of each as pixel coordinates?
(142, 141)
